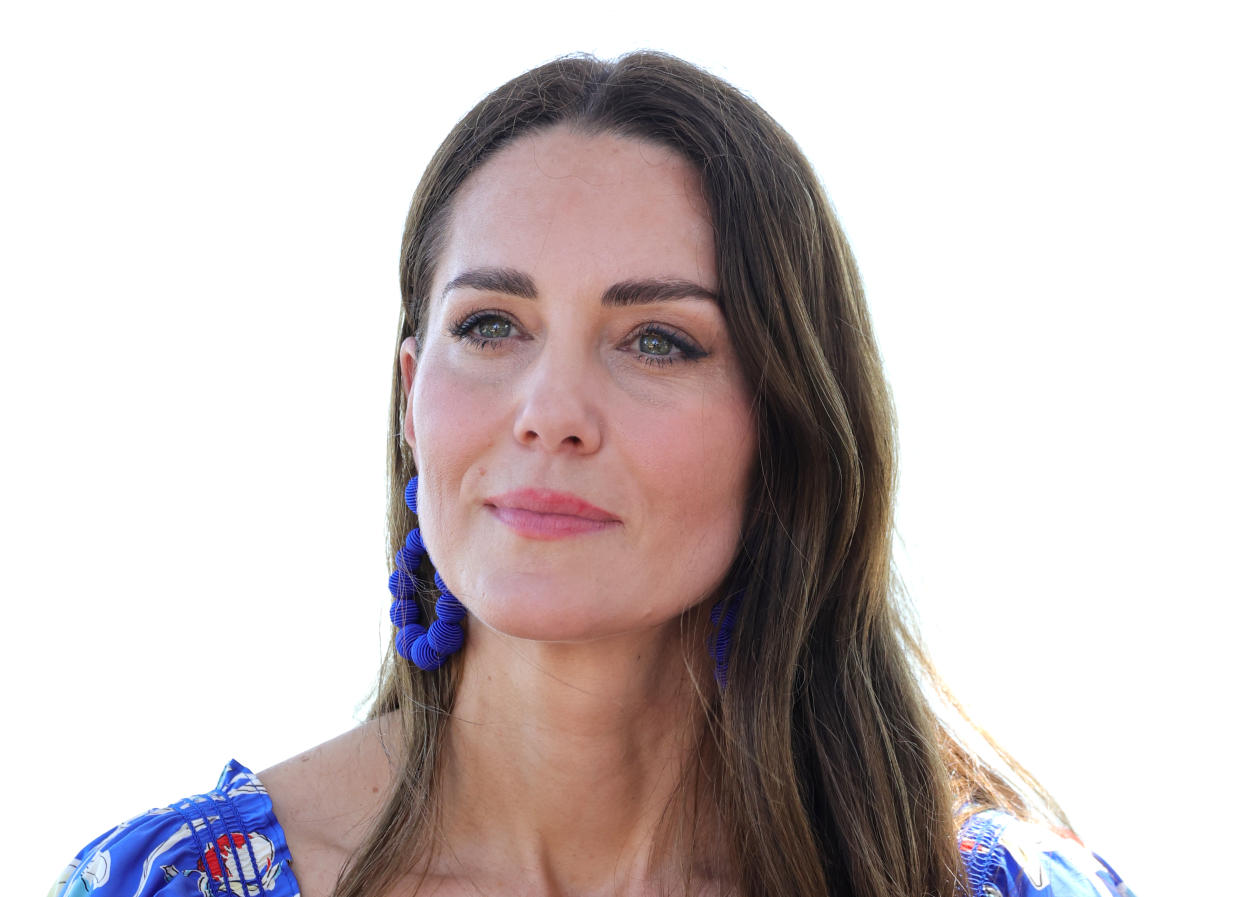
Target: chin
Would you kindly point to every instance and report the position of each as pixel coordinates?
(538, 619)
(533, 629)
(533, 608)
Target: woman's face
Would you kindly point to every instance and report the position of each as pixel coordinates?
(581, 427)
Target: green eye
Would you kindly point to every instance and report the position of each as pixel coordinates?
(655, 344)
(493, 328)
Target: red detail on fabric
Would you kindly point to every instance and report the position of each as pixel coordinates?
(216, 856)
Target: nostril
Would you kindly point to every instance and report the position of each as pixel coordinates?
(533, 436)
(557, 425)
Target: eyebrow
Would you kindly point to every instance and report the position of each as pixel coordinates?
(494, 280)
(641, 291)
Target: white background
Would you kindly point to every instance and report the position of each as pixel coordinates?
(201, 212)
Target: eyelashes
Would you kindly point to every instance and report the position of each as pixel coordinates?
(657, 345)
(492, 328)
(652, 343)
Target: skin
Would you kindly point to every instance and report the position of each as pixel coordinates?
(574, 719)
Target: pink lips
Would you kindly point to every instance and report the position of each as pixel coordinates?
(545, 514)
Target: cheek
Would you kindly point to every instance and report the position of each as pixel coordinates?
(708, 449)
(455, 412)
(454, 425)
(442, 433)
(697, 471)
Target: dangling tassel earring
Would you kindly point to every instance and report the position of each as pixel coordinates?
(427, 647)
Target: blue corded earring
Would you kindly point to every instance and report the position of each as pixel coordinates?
(427, 647)
(724, 615)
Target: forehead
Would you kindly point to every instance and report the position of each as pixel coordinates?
(559, 204)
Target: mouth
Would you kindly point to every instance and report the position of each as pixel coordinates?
(544, 514)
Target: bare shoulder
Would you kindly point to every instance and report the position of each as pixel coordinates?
(345, 775)
(326, 797)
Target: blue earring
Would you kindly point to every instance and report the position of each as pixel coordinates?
(724, 615)
(427, 647)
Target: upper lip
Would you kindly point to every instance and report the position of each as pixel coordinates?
(548, 501)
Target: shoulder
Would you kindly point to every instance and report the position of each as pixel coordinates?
(326, 798)
(226, 840)
(1010, 857)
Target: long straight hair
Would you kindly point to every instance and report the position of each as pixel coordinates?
(830, 770)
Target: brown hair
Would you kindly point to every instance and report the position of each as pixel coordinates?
(831, 772)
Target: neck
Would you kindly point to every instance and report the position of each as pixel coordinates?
(565, 761)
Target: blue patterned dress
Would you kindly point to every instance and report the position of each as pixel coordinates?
(228, 842)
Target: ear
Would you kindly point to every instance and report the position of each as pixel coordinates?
(409, 362)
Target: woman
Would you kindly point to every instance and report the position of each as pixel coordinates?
(646, 637)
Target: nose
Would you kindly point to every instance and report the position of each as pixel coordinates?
(559, 406)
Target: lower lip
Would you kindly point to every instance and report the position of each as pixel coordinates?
(534, 525)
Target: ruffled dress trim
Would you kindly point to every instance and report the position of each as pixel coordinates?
(226, 841)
